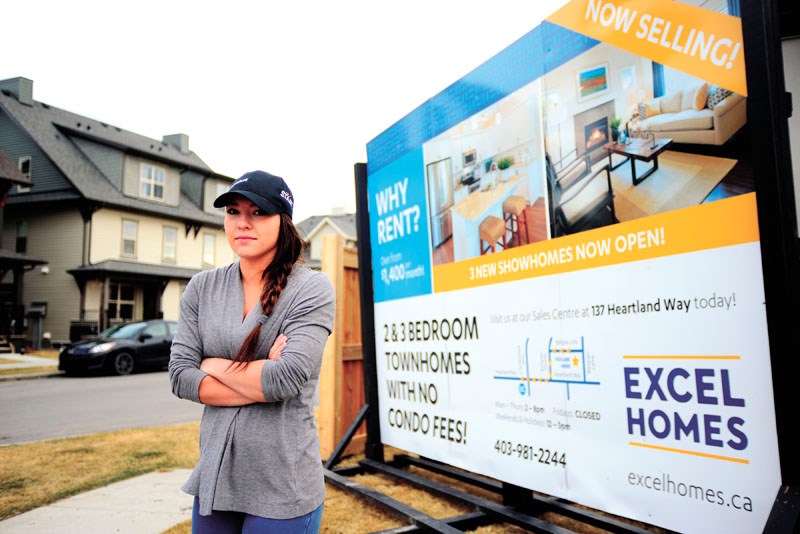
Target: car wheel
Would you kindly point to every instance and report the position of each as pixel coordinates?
(123, 363)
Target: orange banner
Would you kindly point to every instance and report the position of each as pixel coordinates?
(728, 222)
(703, 43)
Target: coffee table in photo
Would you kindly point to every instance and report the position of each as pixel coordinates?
(645, 150)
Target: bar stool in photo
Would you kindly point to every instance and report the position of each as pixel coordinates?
(492, 231)
(515, 219)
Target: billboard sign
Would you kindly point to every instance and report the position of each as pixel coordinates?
(565, 297)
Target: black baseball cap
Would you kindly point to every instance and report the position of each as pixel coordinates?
(265, 190)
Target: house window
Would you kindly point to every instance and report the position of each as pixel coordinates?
(151, 182)
(129, 231)
(22, 237)
(121, 301)
(170, 244)
(24, 165)
(209, 243)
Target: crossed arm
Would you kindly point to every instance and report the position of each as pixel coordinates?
(229, 384)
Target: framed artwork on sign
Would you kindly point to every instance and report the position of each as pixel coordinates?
(592, 82)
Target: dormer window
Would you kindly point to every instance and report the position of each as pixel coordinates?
(151, 181)
(24, 166)
(220, 189)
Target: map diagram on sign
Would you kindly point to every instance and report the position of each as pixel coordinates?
(565, 361)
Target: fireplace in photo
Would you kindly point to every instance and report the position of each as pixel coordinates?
(591, 130)
(596, 134)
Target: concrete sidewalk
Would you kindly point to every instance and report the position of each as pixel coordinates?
(148, 504)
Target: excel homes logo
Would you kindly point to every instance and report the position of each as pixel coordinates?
(685, 404)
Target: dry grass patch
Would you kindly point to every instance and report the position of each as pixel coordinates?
(29, 370)
(44, 353)
(429, 503)
(40, 473)
(346, 513)
(180, 528)
(422, 500)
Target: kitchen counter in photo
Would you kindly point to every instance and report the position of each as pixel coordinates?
(477, 203)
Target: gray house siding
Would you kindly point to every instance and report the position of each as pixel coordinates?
(192, 186)
(57, 236)
(211, 191)
(108, 160)
(45, 177)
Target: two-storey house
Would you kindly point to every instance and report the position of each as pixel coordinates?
(122, 221)
(13, 265)
(314, 228)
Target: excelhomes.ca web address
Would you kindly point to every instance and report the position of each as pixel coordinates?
(664, 483)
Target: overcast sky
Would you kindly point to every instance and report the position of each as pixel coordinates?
(294, 88)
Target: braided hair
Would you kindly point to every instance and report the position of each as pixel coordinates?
(288, 252)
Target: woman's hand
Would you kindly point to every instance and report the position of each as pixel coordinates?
(215, 393)
(244, 378)
(213, 389)
(277, 347)
(231, 384)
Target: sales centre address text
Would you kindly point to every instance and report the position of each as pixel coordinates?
(451, 362)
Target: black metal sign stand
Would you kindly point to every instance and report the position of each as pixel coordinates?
(519, 505)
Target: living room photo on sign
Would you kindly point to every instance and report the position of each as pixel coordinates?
(626, 137)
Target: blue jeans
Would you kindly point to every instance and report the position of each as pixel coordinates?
(241, 523)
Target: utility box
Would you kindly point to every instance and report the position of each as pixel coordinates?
(36, 313)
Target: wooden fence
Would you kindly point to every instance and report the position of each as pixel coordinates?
(341, 384)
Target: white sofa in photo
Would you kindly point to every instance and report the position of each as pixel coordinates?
(700, 115)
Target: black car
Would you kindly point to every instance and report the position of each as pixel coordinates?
(121, 348)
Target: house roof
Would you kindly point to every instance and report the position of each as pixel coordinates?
(9, 259)
(129, 268)
(345, 224)
(52, 128)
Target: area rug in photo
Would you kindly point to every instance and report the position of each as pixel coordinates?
(682, 180)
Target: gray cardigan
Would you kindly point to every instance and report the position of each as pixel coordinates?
(261, 459)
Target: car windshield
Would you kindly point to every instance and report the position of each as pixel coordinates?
(123, 330)
(110, 330)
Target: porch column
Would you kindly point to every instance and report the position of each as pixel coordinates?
(103, 319)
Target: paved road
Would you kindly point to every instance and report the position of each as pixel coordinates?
(61, 406)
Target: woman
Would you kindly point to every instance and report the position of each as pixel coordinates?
(249, 347)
